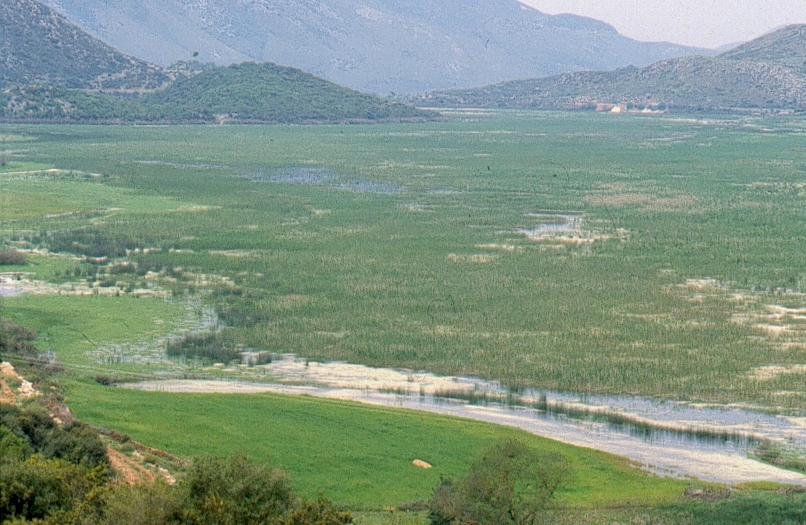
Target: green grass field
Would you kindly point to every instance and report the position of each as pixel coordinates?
(356, 455)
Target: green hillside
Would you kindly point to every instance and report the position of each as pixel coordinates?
(267, 93)
(240, 93)
(39, 46)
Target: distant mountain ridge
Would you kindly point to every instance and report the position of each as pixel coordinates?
(784, 47)
(37, 45)
(379, 46)
(767, 73)
(52, 71)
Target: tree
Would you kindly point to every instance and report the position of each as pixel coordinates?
(510, 484)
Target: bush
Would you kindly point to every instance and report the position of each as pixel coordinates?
(214, 492)
(234, 492)
(16, 340)
(75, 443)
(78, 444)
(148, 504)
(319, 512)
(215, 347)
(12, 258)
(104, 380)
(38, 487)
(510, 485)
(13, 447)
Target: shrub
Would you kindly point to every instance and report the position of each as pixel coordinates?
(38, 487)
(216, 347)
(12, 447)
(234, 492)
(16, 340)
(319, 512)
(510, 485)
(75, 443)
(12, 258)
(147, 504)
(104, 380)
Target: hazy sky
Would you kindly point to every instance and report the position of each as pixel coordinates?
(706, 23)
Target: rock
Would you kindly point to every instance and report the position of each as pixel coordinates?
(419, 463)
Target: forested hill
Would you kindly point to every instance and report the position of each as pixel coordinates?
(267, 92)
(240, 93)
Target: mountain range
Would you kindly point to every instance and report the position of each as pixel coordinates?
(766, 73)
(50, 70)
(39, 46)
(377, 46)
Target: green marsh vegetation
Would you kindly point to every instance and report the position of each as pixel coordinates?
(406, 253)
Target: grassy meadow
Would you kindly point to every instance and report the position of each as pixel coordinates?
(356, 455)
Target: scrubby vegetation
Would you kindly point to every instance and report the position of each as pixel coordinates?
(240, 93)
(509, 485)
(224, 492)
(44, 467)
(268, 93)
(214, 347)
(16, 340)
(12, 258)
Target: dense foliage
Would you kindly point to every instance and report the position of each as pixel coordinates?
(268, 93)
(45, 467)
(214, 491)
(16, 341)
(509, 485)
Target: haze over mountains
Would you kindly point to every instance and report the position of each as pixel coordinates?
(380, 46)
(767, 73)
(52, 71)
